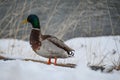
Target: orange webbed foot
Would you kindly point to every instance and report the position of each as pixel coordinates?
(49, 61)
(55, 63)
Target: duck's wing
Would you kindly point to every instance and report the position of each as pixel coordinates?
(59, 43)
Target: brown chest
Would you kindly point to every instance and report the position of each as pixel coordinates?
(35, 40)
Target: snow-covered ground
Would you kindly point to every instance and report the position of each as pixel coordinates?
(88, 51)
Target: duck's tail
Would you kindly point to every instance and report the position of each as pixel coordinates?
(71, 53)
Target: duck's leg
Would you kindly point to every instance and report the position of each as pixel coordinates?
(55, 61)
(49, 61)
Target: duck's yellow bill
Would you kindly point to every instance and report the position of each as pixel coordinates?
(24, 21)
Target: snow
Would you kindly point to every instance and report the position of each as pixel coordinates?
(88, 51)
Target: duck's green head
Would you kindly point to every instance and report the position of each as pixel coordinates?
(34, 20)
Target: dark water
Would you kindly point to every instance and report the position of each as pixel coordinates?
(65, 19)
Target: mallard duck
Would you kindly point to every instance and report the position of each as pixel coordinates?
(47, 46)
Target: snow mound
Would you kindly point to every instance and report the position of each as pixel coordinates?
(88, 51)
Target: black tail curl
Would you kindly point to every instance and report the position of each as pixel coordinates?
(71, 53)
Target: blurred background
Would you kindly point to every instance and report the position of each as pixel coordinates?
(65, 19)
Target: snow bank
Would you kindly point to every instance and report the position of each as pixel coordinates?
(87, 51)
